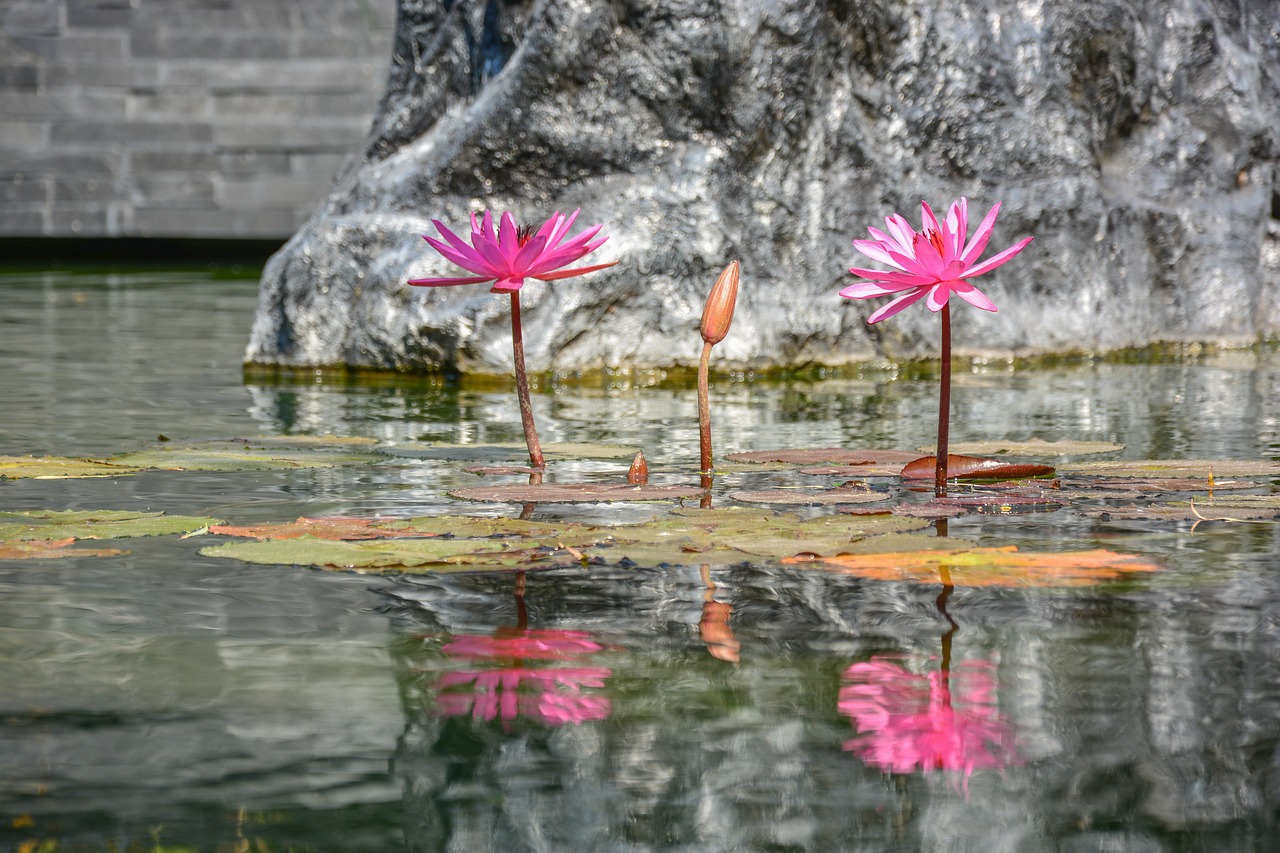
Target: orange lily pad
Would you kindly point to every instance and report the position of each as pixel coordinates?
(1005, 566)
(44, 549)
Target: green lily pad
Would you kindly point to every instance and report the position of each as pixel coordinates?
(95, 524)
(242, 455)
(441, 553)
(59, 468)
(505, 451)
(1030, 447)
(808, 497)
(574, 493)
(1198, 469)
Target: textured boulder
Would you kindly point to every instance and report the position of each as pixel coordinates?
(1138, 141)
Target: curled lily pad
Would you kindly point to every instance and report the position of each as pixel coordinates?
(44, 549)
(1005, 566)
(574, 493)
(973, 468)
(59, 468)
(95, 524)
(1033, 447)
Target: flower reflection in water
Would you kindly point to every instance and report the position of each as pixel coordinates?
(944, 720)
(939, 721)
(508, 688)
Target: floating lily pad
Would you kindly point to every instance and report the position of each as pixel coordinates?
(826, 455)
(973, 468)
(323, 528)
(439, 554)
(506, 451)
(875, 469)
(45, 549)
(574, 493)
(95, 524)
(1192, 469)
(59, 468)
(1031, 447)
(1101, 486)
(241, 455)
(1237, 508)
(808, 497)
(990, 566)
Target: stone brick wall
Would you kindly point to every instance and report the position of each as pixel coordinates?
(181, 118)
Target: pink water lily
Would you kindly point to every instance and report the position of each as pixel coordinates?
(931, 264)
(510, 254)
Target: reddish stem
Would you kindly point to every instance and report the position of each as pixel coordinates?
(522, 386)
(944, 406)
(704, 409)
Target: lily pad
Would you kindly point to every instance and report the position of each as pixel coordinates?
(1005, 566)
(826, 455)
(1034, 447)
(1193, 469)
(95, 524)
(323, 528)
(241, 455)
(1236, 508)
(505, 451)
(808, 497)
(59, 468)
(574, 493)
(438, 554)
(45, 549)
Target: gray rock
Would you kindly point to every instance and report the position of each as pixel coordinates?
(1138, 141)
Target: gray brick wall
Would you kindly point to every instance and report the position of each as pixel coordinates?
(181, 118)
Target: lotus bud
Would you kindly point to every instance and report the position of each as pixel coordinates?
(718, 314)
(638, 473)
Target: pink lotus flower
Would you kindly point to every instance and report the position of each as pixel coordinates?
(510, 255)
(939, 721)
(934, 263)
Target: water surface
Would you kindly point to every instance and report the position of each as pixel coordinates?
(166, 700)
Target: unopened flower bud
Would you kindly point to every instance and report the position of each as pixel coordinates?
(718, 314)
(638, 474)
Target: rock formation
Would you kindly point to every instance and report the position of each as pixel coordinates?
(1138, 141)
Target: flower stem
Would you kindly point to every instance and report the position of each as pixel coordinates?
(944, 406)
(704, 410)
(522, 386)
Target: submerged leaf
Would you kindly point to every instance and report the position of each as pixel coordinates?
(95, 524)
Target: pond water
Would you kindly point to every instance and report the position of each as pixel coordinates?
(165, 700)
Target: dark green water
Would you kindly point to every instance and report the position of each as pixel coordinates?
(162, 700)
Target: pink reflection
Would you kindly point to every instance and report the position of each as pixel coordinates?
(553, 696)
(939, 721)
